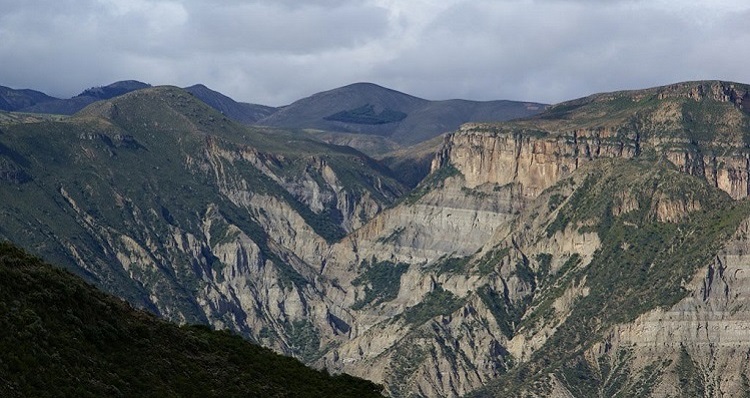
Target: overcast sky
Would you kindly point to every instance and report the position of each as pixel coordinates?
(276, 51)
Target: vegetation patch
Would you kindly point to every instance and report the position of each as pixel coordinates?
(381, 280)
(220, 233)
(304, 340)
(476, 193)
(367, 115)
(431, 182)
(392, 237)
(436, 303)
(544, 265)
(507, 313)
(689, 376)
(406, 360)
(488, 263)
(555, 200)
(450, 265)
(565, 215)
(646, 382)
(581, 379)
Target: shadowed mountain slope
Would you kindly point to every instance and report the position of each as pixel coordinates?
(239, 111)
(61, 337)
(14, 100)
(160, 199)
(115, 89)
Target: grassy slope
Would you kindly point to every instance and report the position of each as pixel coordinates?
(641, 265)
(705, 113)
(61, 337)
(124, 163)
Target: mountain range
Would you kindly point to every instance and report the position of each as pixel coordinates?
(389, 117)
(31, 101)
(598, 248)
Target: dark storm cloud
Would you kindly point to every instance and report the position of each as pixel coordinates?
(274, 52)
(562, 49)
(285, 30)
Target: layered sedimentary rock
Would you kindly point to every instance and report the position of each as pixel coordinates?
(485, 155)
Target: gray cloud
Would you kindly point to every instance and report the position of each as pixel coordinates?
(274, 52)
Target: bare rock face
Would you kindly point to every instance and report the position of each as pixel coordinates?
(452, 220)
(448, 328)
(699, 127)
(398, 341)
(484, 154)
(534, 160)
(483, 267)
(496, 205)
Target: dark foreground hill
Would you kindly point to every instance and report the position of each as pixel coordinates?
(61, 337)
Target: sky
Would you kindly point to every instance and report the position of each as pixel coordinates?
(274, 52)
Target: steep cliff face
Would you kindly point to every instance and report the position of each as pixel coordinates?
(161, 200)
(701, 128)
(537, 175)
(420, 324)
(551, 276)
(538, 160)
(534, 160)
(619, 310)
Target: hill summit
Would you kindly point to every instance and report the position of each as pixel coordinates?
(367, 108)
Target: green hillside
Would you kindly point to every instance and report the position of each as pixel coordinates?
(156, 166)
(643, 262)
(697, 112)
(63, 338)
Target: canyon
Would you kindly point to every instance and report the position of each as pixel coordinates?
(595, 249)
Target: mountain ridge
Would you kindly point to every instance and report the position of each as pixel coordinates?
(239, 111)
(360, 108)
(37, 102)
(368, 108)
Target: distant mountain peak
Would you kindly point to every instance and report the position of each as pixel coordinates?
(239, 111)
(366, 88)
(371, 109)
(14, 100)
(113, 90)
(366, 85)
